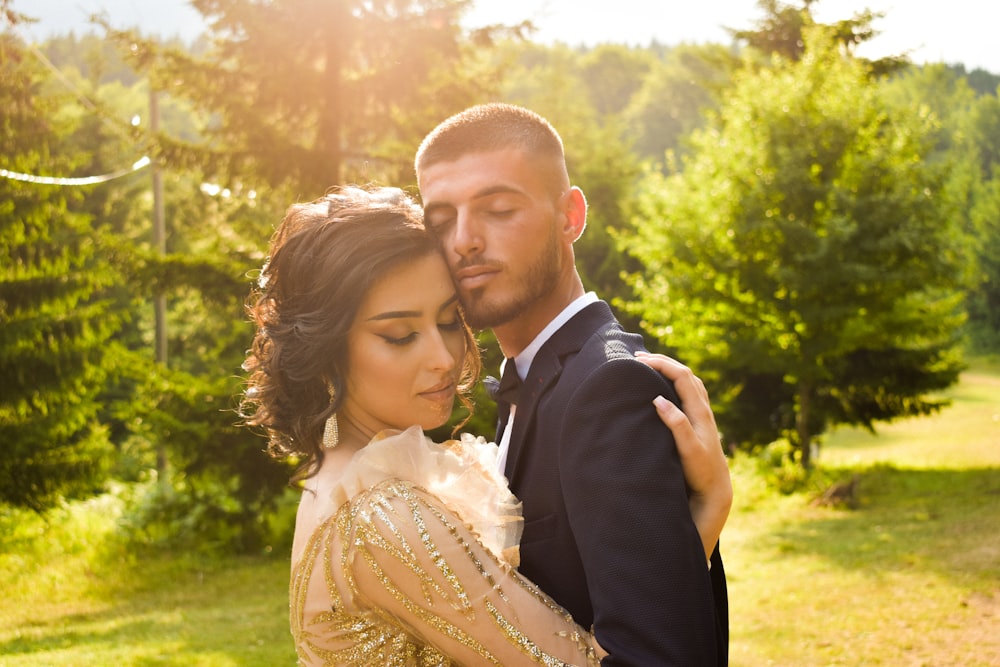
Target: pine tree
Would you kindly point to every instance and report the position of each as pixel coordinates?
(309, 94)
(807, 258)
(55, 327)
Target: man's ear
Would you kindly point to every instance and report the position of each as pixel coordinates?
(575, 213)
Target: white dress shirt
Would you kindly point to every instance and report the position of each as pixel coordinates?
(527, 355)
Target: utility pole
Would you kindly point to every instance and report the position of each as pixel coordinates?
(160, 245)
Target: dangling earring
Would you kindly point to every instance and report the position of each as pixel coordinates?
(331, 431)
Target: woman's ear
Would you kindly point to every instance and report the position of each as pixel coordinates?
(574, 212)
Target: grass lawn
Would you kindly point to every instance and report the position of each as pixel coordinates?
(71, 597)
(910, 577)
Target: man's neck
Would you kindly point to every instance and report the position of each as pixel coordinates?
(544, 330)
(518, 333)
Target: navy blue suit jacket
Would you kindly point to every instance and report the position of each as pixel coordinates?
(608, 532)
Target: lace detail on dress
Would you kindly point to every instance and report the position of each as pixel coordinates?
(397, 577)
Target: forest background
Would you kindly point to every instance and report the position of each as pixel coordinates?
(817, 234)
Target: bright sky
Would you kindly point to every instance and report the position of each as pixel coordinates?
(956, 31)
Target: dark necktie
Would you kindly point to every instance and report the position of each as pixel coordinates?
(505, 394)
(510, 383)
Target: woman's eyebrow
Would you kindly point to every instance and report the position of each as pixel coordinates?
(396, 314)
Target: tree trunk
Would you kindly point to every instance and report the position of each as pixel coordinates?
(802, 424)
(337, 19)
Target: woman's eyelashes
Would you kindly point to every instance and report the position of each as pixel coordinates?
(454, 324)
(402, 340)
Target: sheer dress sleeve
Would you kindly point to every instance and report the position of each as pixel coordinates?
(412, 584)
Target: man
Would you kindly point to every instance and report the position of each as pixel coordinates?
(608, 531)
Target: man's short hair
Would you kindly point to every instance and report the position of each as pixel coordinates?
(486, 128)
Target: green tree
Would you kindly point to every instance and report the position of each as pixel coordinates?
(983, 301)
(806, 260)
(982, 81)
(56, 324)
(781, 31)
(612, 74)
(219, 485)
(679, 89)
(968, 140)
(984, 294)
(94, 59)
(308, 94)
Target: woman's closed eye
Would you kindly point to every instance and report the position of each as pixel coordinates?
(455, 324)
(401, 340)
(451, 325)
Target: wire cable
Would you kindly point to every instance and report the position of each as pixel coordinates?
(83, 180)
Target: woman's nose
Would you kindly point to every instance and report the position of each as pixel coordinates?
(440, 355)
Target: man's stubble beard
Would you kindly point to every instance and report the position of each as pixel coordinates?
(538, 280)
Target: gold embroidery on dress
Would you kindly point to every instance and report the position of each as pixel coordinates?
(394, 523)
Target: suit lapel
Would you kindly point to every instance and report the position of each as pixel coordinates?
(545, 371)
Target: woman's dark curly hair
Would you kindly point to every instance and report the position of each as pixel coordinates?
(323, 259)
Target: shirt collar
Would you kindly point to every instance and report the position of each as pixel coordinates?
(527, 355)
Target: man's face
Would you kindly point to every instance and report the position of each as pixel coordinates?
(497, 216)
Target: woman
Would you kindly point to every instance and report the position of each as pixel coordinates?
(404, 550)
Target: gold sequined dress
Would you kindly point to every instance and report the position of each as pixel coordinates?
(408, 559)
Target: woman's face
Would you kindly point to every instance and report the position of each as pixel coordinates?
(405, 350)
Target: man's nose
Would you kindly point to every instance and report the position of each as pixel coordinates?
(468, 239)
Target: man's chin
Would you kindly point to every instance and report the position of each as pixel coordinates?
(487, 315)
